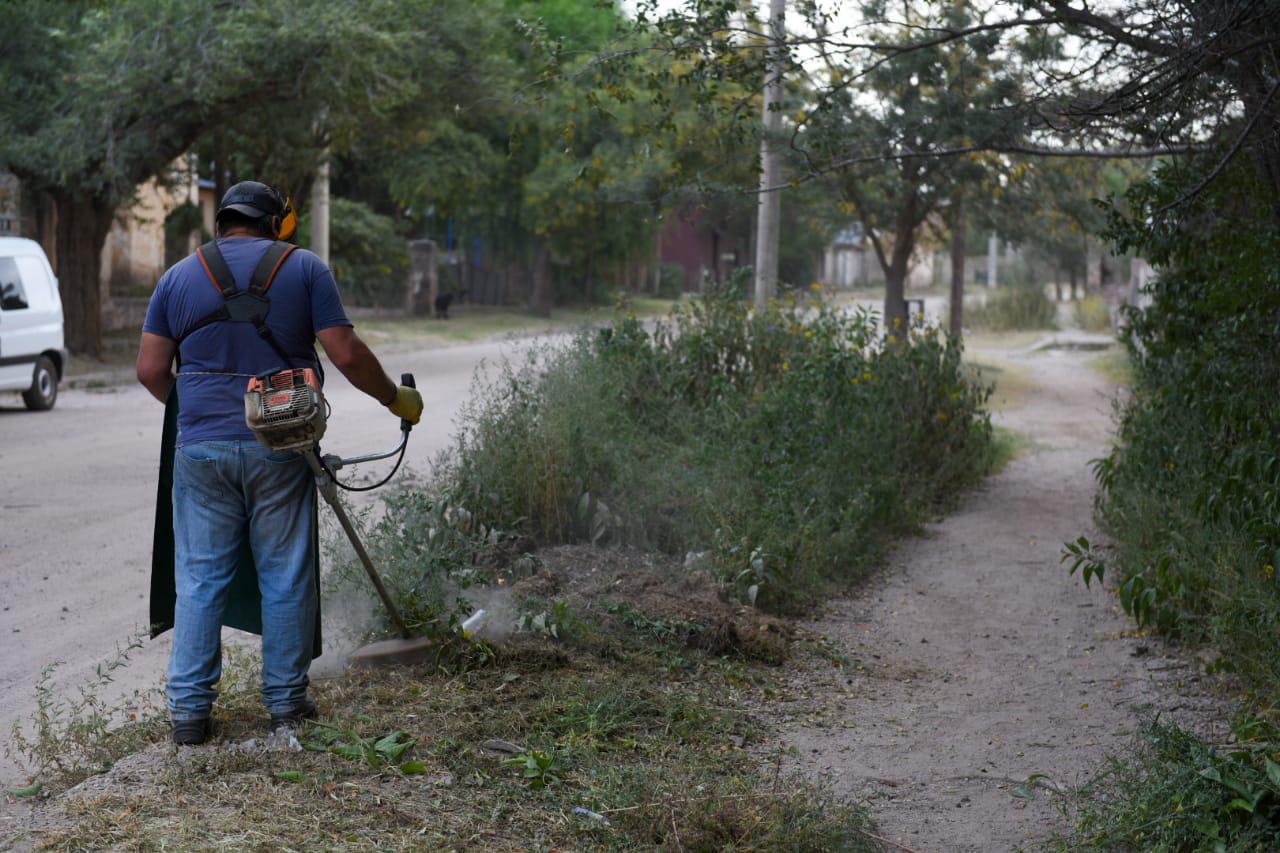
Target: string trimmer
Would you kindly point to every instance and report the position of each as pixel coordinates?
(287, 411)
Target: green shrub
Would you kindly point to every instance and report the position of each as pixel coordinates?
(670, 281)
(368, 255)
(1013, 308)
(789, 444)
(1092, 314)
(1192, 489)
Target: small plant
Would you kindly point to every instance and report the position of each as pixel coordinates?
(71, 737)
(549, 622)
(1084, 559)
(539, 769)
(375, 751)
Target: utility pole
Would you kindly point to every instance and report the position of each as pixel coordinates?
(320, 211)
(959, 242)
(993, 248)
(769, 205)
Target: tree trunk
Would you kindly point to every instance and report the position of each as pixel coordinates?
(895, 292)
(959, 238)
(81, 227)
(540, 292)
(1092, 266)
(895, 280)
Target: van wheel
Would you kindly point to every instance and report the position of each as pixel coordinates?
(43, 392)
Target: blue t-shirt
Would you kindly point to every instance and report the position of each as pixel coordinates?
(304, 300)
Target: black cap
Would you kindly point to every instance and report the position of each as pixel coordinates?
(252, 199)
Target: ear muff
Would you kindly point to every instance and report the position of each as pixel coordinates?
(289, 223)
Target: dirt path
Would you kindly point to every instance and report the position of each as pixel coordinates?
(983, 662)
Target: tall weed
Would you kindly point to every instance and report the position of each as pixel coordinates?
(1015, 308)
(789, 443)
(1092, 314)
(66, 737)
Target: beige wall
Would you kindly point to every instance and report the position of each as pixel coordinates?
(133, 255)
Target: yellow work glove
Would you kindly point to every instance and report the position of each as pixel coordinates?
(407, 405)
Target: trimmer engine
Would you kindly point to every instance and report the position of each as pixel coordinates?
(286, 409)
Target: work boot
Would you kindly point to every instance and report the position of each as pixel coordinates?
(304, 710)
(191, 732)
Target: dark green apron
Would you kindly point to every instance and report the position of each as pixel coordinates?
(244, 605)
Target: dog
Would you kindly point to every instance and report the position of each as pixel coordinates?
(442, 305)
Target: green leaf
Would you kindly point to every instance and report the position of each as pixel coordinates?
(413, 768)
(346, 750)
(1027, 790)
(1273, 772)
(29, 791)
(1207, 827)
(391, 747)
(1242, 805)
(290, 775)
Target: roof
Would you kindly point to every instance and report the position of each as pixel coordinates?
(20, 245)
(850, 235)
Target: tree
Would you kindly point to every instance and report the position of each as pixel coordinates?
(1176, 73)
(108, 96)
(930, 97)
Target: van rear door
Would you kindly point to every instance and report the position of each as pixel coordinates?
(30, 318)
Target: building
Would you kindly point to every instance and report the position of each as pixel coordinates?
(844, 263)
(701, 248)
(142, 242)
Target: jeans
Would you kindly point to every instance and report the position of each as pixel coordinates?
(224, 491)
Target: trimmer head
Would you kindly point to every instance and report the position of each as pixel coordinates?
(397, 652)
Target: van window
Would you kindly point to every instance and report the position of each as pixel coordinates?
(13, 297)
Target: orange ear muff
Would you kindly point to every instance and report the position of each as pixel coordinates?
(290, 222)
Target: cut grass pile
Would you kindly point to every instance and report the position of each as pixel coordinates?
(629, 693)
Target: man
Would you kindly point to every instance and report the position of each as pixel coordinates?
(227, 488)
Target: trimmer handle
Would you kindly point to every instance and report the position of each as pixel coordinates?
(406, 379)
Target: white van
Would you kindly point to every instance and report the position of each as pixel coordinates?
(31, 352)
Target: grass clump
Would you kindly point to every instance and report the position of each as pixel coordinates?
(1014, 308)
(787, 444)
(1173, 792)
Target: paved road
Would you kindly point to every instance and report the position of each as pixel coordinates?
(77, 507)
